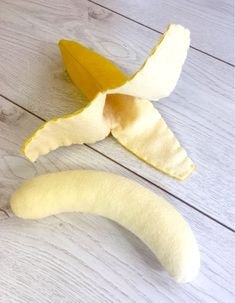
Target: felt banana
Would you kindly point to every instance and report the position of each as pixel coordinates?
(133, 206)
(118, 105)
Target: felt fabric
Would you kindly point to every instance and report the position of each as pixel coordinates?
(70, 129)
(138, 209)
(123, 107)
(160, 72)
(139, 127)
(89, 71)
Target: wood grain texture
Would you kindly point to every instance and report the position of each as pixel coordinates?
(200, 111)
(210, 22)
(83, 258)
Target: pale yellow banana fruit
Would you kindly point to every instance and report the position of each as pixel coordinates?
(133, 206)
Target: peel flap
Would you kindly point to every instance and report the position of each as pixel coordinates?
(70, 129)
(140, 128)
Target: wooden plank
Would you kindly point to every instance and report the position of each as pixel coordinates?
(82, 258)
(211, 24)
(200, 111)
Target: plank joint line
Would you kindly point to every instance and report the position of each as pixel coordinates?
(159, 32)
(133, 172)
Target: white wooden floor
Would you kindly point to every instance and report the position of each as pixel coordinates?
(80, 258)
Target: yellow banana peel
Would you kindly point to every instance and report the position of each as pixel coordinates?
(120, 105)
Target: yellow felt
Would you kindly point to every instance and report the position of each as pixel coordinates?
(89, 71)
(133, 206)
(140, 128)
(85, 126)
(159, 74)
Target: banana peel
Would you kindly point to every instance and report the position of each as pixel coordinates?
(120, 105)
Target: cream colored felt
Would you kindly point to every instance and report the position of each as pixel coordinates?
(85, 126)
(159, 74)
(133, 206)
(139, 127)
(148, 137)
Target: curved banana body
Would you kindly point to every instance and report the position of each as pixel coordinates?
(126, 202)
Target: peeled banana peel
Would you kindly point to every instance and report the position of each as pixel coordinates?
(120, 105)
(133, 206)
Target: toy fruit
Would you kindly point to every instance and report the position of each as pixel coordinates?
(133, 206)
(119, 105)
